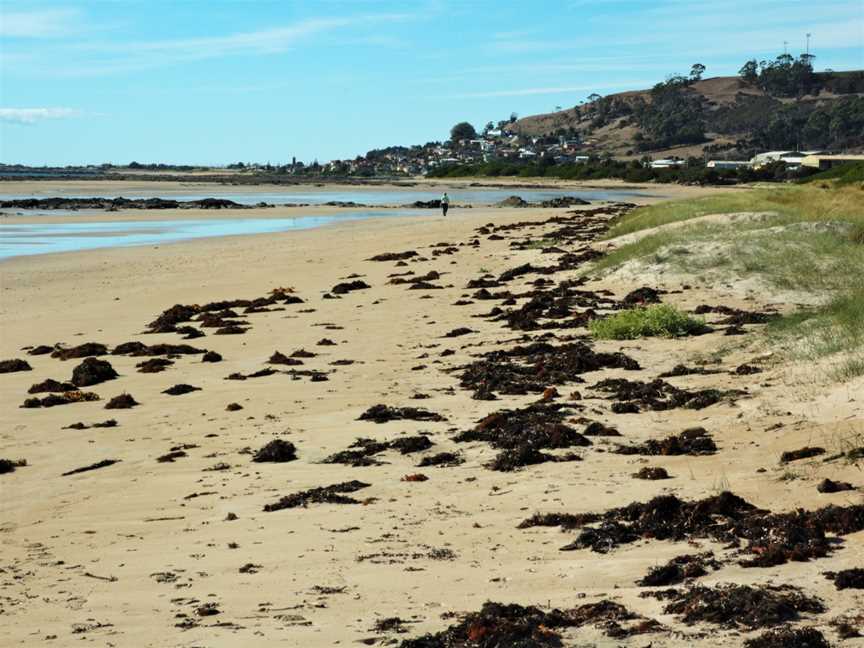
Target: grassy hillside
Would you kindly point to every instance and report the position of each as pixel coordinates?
(722, 116)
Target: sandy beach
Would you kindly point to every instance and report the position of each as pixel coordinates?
(181, 552)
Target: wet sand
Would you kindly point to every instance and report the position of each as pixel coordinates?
(131, 554)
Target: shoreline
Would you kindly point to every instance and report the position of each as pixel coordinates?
(129, 552)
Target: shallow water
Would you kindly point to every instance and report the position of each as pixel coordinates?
(46, 238)
(370, 197)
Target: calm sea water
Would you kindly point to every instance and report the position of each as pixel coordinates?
(369, 197)
(45, 238)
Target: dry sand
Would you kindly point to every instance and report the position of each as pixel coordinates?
(117, 556)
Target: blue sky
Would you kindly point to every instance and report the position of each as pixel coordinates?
(259, 80)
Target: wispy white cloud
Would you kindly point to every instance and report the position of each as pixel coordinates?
(99, 58)
(33, 115)
(46, 23)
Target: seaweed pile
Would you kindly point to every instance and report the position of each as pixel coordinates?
(332, 494)
(533, 368)
(362, 451)
(657, 395)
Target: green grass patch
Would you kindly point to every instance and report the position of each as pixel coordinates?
(799, 203)
(659, 320)
(843, 174)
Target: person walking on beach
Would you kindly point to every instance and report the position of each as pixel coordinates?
(445, 203)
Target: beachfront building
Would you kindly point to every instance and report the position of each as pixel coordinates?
(791, 158)
(823, 162)
(667, 163)
(728, 164)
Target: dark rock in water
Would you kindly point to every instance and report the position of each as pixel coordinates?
(323, 495)
(394, 256)
(564, 201)
(123, 401)
(831, 486)
(425, 204)
(92, 372)
(276, 451)
(513, 201)
(847, 578)
(51, 385)
(801, 453)
(788, 637)
(384, 413)
(211, 356)
(115, 204)
(8, 466)
(61, 399)
(180, 389)
(652, 473)
(10, 366)
(154, 365)
(346, 287)
(81, 351)
(741, 605)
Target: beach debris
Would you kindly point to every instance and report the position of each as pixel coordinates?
(596, 428)
(208, 609)
(524, 455)
(92, 371)
(746, 370)
(533, 368)
(41, 349)
(684, 370)
(458, 332)
(110, 423)
(50, 385)
(154, 365)
(233, 407)
(95, 466)
(772, 538)
(8, 465)
(211, 356)
(122, 401)
(250, 568)
(61, 399)
(361, 452)
(788, 637)
(261, 373)
(847, 578)
(651, 473)
(499, 624)
(140, 349)
(80, 351)
(733, 605)
(11, 366)
(692, 441)
(658, 395)
(281, 358)
(442, 459)
(801, 453)
(349, 286)
(180, 389)
(415, 477)
(390, 624)
(332, 494)
(231, 330)
(384, 413)
(325, 342)
(642, 296)
(171, 456)
(276, 451)
(679, 569)
(302, 353)
(394, 256)
(831, 486)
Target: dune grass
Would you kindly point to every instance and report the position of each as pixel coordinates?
(659, 320)
(812, 245)
(791, 203)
